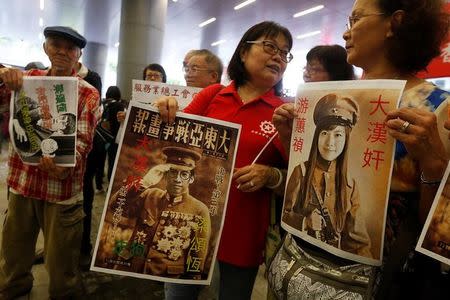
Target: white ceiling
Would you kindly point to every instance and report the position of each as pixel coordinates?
(20, 22)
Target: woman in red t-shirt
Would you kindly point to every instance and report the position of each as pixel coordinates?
(256, 70)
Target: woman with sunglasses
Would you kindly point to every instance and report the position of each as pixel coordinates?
(395, 39)
(256, 70)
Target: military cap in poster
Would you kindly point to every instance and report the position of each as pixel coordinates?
(181, 158)
(336, 109)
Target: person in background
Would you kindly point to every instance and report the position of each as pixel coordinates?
(113, 104)
(47, 196)
(379, 39)
(203, 69)
(327, 62)
(256, 70)
(95, 169)
(154, 72)
(90, 76)
(98, 156)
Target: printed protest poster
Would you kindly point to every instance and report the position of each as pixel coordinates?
(44, 119)
(165, 207)
(340, 166)
(149, 91)
(434, 240)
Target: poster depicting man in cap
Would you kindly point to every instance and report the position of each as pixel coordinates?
(339, 149)
(168, 196)
(434, 240)
(44, 120)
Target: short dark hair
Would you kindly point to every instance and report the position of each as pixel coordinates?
(157, 68)
(418, 37)
(334, 60)
(113, 92)
(212, 60)
(71, 123)
(236, 68)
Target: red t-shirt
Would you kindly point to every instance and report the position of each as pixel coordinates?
(247, 215)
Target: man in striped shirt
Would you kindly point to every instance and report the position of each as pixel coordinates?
(47, 196)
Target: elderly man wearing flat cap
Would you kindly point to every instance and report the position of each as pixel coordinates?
(173, 228)
(47, 196)
(322, 199)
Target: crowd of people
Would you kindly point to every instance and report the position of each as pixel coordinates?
(379, 38)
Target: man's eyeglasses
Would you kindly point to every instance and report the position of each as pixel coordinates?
(153, 76)
(193, 69)
(184, 175)
(353, 19)
(272, 49)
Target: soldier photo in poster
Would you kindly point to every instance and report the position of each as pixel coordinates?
(340, 163)
(327, 207)
(166, 204)
(435, 238)
(168, 218)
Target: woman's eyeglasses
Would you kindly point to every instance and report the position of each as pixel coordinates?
(153, 76)
(272, 49)
(353, 19)
(313, 70)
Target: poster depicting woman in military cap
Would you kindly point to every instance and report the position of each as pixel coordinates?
(165, 207)
(340, 163)
(435, 238)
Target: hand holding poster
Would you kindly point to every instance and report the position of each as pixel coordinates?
(44, 119)
(166, 204)
(434, 240)
(149, 91)
(339, 148)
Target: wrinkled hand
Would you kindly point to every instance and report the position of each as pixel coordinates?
(282, 118)
(252, 177)
(421, 137)
(47, 164)
(154, 193)
(315, 221)
(168, 107)
(20, 132)
(12, 78)
(121, 116)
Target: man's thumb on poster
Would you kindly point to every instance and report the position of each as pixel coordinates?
(154, 175)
